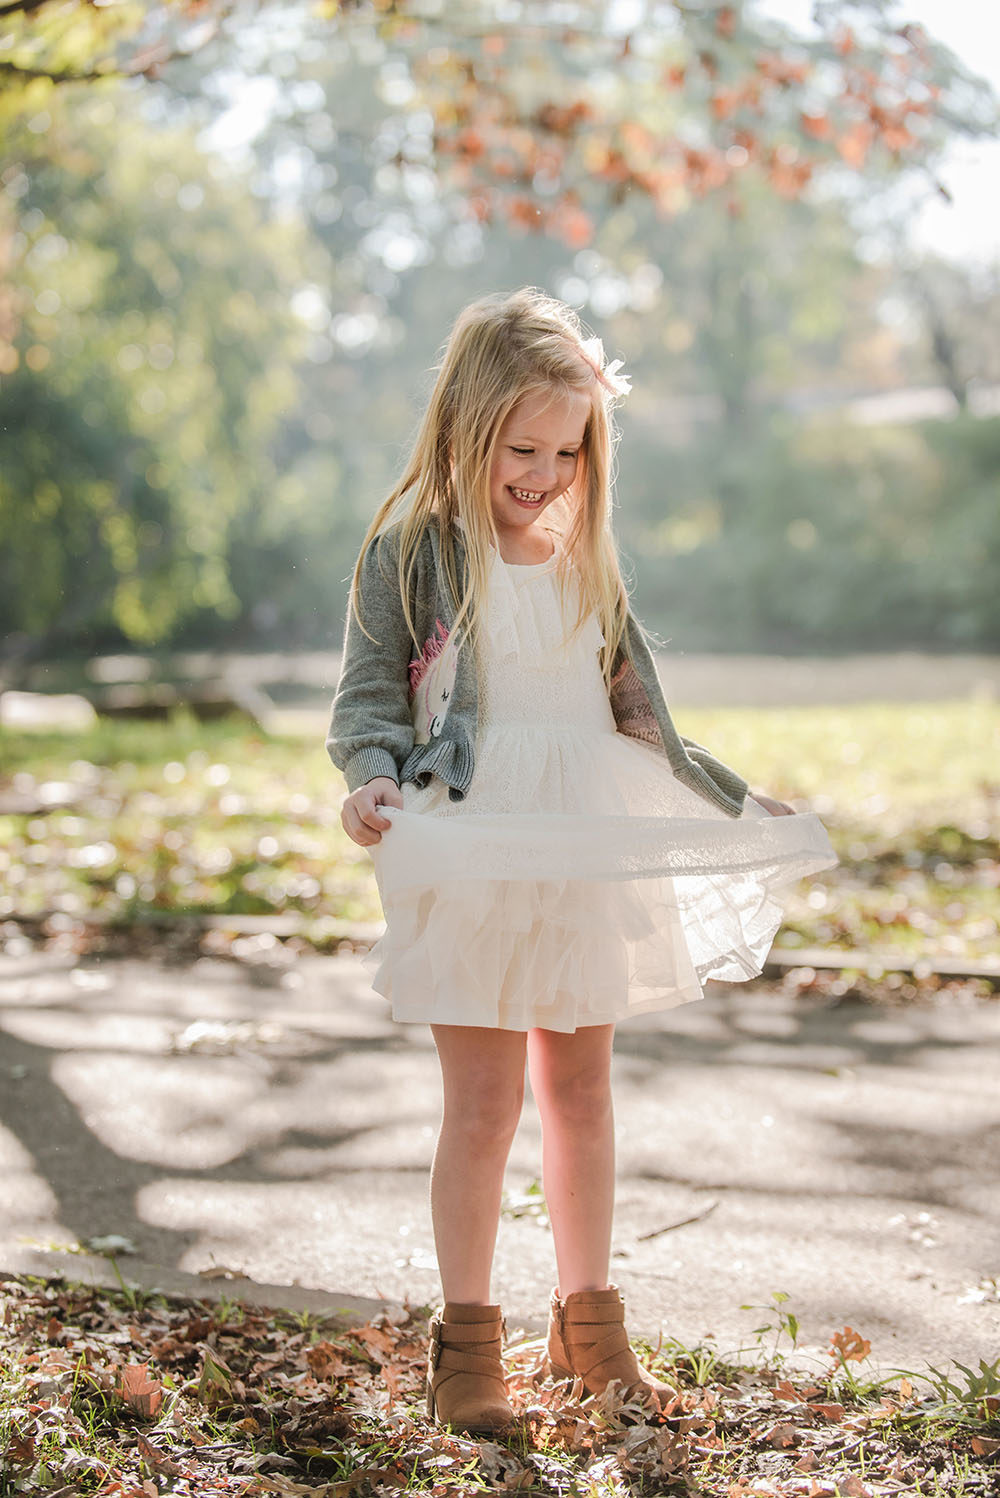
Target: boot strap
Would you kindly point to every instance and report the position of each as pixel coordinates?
(453, 1360)
(475, 1331)
(600, 1314)
(611, 1346)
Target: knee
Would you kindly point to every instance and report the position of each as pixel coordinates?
(580, 1097)
(487, 1114)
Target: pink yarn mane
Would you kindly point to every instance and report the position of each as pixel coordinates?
(433, 647)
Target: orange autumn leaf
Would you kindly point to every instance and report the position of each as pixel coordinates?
(849, 1345)
(985, 1445)
(829, 1411)
(816, 125)
(725, 102)
(140, 1392)
(896, 137)
(853, 144)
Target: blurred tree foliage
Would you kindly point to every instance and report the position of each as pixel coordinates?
(157, 352)
(216, 333)
(531, 107)
(843, 537)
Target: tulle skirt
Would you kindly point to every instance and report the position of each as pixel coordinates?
(579, 882)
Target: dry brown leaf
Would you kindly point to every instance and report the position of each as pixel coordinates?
(829, 1411)
(20, 1450)
(782, 1435)
(849, 1345)
(326, 1361)
(378, 1342)
(985, 1445)
(807, 1462)
(156, 1460)
(853, 1487)
(140, 1392)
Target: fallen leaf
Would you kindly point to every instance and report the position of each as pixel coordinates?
(807, 1462)
(215, 1378)
(781, 1435)
(155, 1460)
(326, 1361)
(829, 1411)
(985, 1445)
(849, 1346)
(140, 1392)
(20, 1450)
(853, 1487)
(379, 1344)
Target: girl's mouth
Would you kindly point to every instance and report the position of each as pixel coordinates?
(529, 498)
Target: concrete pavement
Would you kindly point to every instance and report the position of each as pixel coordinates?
(272, 1120)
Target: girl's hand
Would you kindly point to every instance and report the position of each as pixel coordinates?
(776, 808)
(359, 814)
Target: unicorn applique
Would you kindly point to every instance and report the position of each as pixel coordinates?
(432, 677)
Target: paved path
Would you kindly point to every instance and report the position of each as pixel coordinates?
(274, 1121)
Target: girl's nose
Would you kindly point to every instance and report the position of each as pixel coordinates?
(543, 475)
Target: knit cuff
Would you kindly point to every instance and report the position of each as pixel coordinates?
(369, 763)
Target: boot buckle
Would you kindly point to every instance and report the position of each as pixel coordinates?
(434, 1342)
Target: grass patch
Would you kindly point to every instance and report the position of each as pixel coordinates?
(138, 1394)
(130, 822)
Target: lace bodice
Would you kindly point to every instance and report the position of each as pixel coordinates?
(531, 674)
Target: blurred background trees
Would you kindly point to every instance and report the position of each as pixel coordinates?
(234, 247)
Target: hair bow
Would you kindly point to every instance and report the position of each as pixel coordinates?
(592, 350)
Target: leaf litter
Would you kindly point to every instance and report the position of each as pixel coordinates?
(132, 1395)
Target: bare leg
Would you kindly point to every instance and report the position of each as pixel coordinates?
(571, 1080)
(483, 1077)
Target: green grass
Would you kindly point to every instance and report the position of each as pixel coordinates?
(183, 818)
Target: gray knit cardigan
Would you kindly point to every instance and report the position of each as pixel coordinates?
(379, 726)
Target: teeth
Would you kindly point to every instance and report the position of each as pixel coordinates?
(526, 494)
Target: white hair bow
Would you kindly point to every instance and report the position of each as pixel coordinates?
(592, 350)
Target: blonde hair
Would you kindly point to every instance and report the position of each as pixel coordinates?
(503, 349)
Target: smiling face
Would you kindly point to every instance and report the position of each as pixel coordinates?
(536, 458)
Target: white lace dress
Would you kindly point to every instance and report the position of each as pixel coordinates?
(579, 881)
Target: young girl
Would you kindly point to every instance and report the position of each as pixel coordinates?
(551, 855)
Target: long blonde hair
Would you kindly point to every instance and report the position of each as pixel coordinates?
(502, 349)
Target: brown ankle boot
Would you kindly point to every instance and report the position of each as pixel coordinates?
(587, 1339)
(465, 1383)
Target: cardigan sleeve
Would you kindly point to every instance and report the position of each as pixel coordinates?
(725, 778)
(371, 730)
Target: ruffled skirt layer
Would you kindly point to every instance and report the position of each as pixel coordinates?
(611, 889)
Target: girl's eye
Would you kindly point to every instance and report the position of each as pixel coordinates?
(525, 452)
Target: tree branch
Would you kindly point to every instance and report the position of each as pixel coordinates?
(12, 70)
(13, 6)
